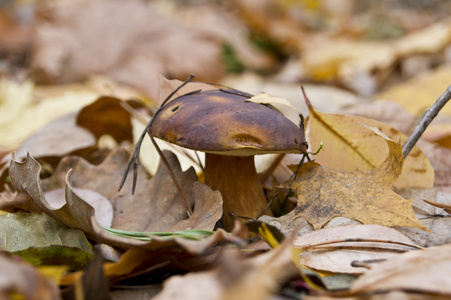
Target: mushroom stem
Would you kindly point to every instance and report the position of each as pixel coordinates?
(237, 180)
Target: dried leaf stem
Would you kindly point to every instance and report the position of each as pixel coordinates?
(134, 158)
(427, 118)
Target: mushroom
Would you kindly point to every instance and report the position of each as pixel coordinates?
(230, 130)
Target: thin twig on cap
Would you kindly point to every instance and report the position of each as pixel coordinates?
(188, 209)
(134, 158)
(427, 118)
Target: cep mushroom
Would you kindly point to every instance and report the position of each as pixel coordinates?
(230, 130)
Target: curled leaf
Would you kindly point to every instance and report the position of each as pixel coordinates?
(82, 181)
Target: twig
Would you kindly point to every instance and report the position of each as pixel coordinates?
(428, 116)
(134, 158)
(172, 175)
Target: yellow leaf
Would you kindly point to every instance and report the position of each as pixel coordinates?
(21, 115)
(420, 92)
(342, 59)
(363, 196)
(348, 146)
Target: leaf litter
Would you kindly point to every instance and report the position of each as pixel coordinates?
(77, 213)
(364, 196)
(73, 176)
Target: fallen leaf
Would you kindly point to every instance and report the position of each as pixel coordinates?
(384, 111)
(431, 39)
(225, 25)
(335, 249)
(279, 104)
(22, 116)
(135, 52)
(58, 256)
(363, 65)
(22, 280)
(57, 139)
(327, 98)
(421, 271)
(235, 277)
(162, 255)
(106, 116)
(130, 212)
(366, 197)
(434, 217)
(347, 146)
(103, 210)
(22, 231)
(424, 88)
(344, 61)
(289, 223)
(274, 21)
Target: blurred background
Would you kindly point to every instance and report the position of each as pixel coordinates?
(58, 56)
(361, 46)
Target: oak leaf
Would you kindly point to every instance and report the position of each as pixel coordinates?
(363, 196)
(164, 212)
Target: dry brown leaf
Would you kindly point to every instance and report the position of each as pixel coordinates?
(77, 132)
(435, 218)
(162, 256)
(431, 39)
(366, 197)
(275, 21)
(288, 223)
(348, 62)
(384, 111)
(334, 249)
(420, 92)
(130, 213)
(421, 271)
(222, 24)
(347, 146)
(20, 279)
(235, 278)
(58, 138)
(68, 47)
(362, 65)
(106, 116)
(22, 116)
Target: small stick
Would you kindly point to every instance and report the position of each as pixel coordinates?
(428, 116)
(172, 175)
(134, 158)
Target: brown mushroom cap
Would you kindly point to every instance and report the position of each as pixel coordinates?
(222, 122)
